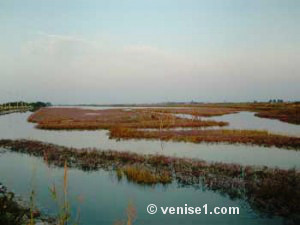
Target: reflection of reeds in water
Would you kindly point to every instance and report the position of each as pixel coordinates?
(270, 191)
(32, 197)
(64, 212)
(131, 215)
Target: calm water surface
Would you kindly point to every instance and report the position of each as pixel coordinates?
(247, 120)
(104, 199)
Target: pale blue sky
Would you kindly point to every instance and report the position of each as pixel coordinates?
(149, 50)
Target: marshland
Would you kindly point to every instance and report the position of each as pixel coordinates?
(108, 108)
(197, 153)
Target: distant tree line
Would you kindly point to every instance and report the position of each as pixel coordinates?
(32, 106)
(276, 101)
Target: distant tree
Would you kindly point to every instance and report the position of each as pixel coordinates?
(279, 100)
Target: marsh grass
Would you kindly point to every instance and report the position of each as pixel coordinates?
(268, 191)
(74, 118)
(250, 137)
(33, 210)
(196, 111)
(62, 202)
(141, 175)
(286, 112)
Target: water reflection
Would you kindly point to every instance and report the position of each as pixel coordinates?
(105, 199)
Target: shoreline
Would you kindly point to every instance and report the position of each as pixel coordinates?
(123, 124)
(13, 111)
(14, 210)
(268, 191)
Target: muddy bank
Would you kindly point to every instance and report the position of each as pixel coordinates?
(269, 191)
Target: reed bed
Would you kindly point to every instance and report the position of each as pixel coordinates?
(199, 111)
(289, 115)
(268, 191)
(74, 118)
(141, 175)
(285, 112)
(250, 137)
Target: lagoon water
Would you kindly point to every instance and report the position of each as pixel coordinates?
(104, 199)
(15, 126)
(248, 121)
